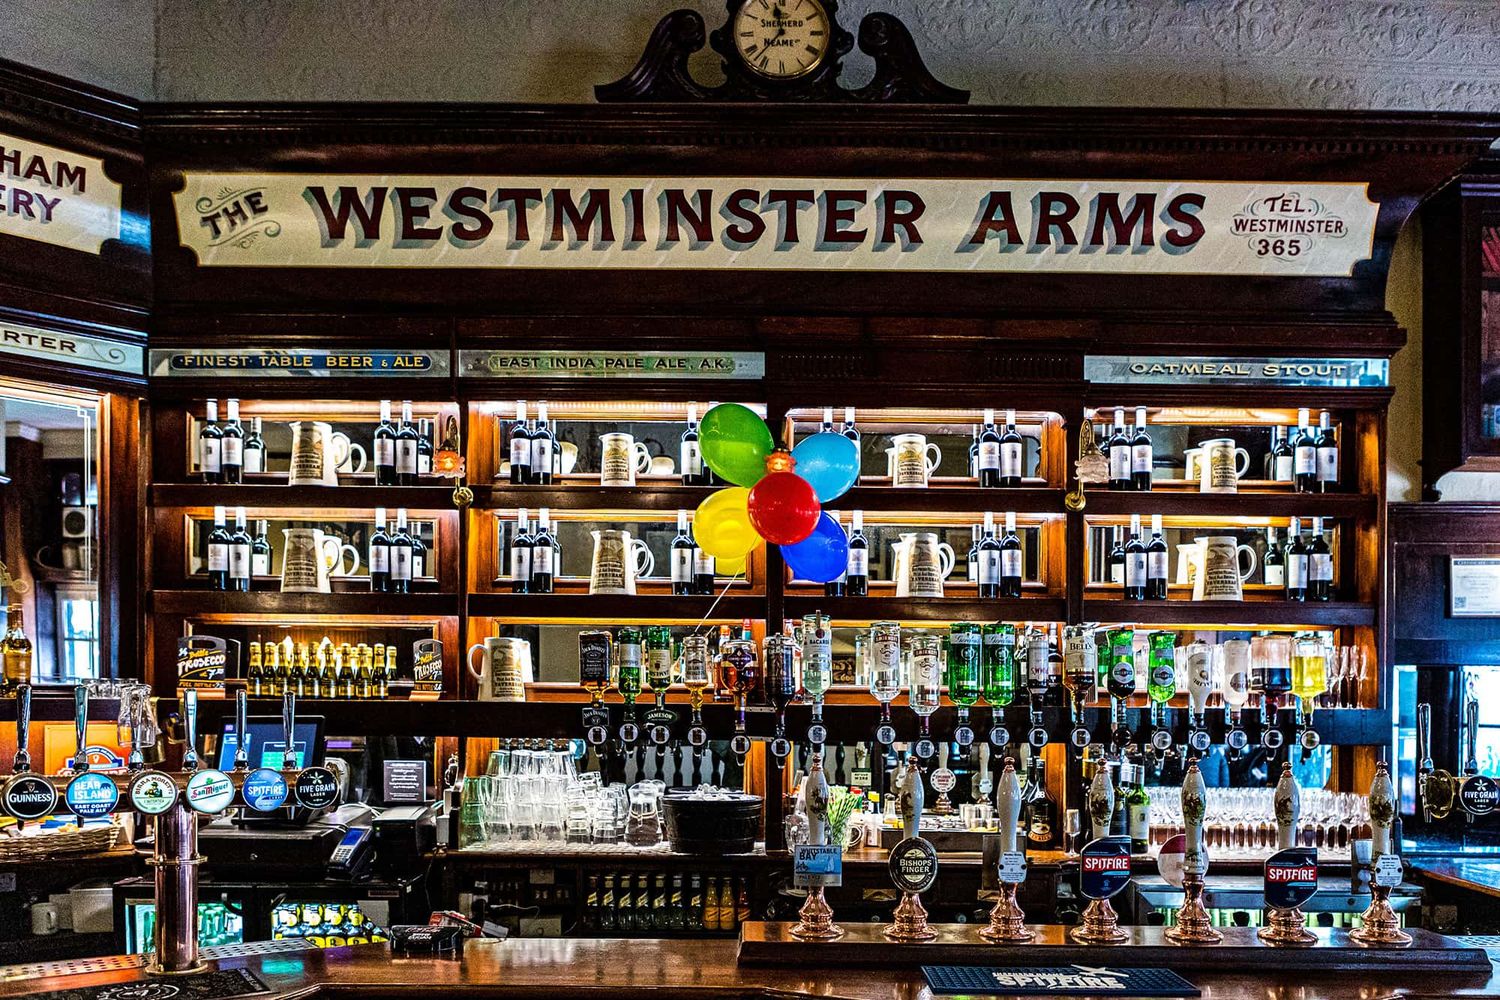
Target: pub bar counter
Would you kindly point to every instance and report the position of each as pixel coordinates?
(778, 536)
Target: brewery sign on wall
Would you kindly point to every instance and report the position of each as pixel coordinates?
(56, 196)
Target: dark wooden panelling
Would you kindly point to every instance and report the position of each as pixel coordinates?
(1423, 537)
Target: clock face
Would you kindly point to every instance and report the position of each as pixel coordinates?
(781, 40)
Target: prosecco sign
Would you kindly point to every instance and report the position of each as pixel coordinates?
(787, 223)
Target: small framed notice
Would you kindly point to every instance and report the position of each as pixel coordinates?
(1474, 586)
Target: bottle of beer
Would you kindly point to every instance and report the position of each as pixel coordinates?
(1040, 810)
(15, 648)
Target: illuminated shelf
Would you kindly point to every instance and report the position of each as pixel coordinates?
(935, 609)
(965, 496)
(649, 495)
(1189, 503)
(1321, 614)
(438, 496)
(273, 602)
(608, 608)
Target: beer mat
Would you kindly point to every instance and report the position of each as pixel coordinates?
(221, 984)
(1062, 980)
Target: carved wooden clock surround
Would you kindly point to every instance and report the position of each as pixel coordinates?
(662, 73)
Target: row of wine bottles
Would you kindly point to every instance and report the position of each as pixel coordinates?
(396, 556)
(1304, 566)
(227, 452)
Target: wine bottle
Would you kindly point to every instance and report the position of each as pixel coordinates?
(406, 447)
(1296, 563)
(1328, 456)
(683, 550)
(989, 452)
(239, 553)
(255, 449)
(210, 445)
(232, 445)
(544, 552)
(705, 568)
(974, 453)
(1119, 454)
(1135, 562)
(1319, 564)
(260, 550)
(1140, 453)
(1274, 563)
(401, 556)
(1010, 559)
(424, 447)
(1156, 562)
(418, 551)
(857, 567)
(520, 555)
(1012, 453)
(379, 559)
(835, 587)
(520, 447)
(988, 576)
(1117, 557)
(690, 457)
(218, 553)
(976, 534)
(385, 447)
(543, 447)
(1281, 460)
(1304, 456)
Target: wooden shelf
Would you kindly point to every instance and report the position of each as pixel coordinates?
(1033, 498)
(928, 608)
(1186, 503)
(1321, 614)
(616, 607)
(653, 495)
(438, 496)
(272, 602)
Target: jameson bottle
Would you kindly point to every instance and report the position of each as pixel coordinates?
(1156, 563)
(255, 449)
(989, 452)
(520, 555)
(683, 550)
(1119, 454)
(218, 553)
(1140, 453)
(1296, 563)
(379, 559)
(1319, 564)
(406, 447)
(1010, 559)
(1012, 453)
(232, 448)
(543, 447)
(1135, 562)
(210, 445)
(857, 573)
(689, 454)
(239, 553)
(1328, 456)
(1304, 456)
(520, 447)
(385, 447)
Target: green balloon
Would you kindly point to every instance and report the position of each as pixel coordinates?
(735, 442)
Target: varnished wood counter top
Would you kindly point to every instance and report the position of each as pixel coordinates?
(1474, 875)
(568, 968)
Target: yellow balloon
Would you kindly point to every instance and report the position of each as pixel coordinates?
(722, 526)
(731, 567)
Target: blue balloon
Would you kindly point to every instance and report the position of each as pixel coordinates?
(822, 555)
(830, 462)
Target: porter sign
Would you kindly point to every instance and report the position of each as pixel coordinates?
(836, 223)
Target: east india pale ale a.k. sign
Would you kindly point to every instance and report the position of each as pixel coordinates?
(786, 223)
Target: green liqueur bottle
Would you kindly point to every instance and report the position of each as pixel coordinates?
(965, 674)
(1161, 685)
(998, 659)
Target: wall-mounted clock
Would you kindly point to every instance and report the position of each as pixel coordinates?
(780, 50)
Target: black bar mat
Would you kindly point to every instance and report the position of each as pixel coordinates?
(1056, 981)
(221, 984)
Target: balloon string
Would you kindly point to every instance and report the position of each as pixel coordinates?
(709, 613)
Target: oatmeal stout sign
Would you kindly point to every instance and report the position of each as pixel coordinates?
(933, 224)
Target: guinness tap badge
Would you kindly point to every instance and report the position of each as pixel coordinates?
(29, 796)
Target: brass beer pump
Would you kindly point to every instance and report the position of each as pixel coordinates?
(815, 919)
(1380, 926)
(1193, 923)
(1285, 927)
(908, 861)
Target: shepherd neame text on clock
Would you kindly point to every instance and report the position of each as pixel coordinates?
(778, 223)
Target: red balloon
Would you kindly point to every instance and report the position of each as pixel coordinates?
(784, 508)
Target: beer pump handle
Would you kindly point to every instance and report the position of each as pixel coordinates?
(1008, 806)
(190, 720)
(1288, 803)
(1424, 738)
(1471, 735)
(815, 802)
(1194, 803)
(1382, 808)
(1101, 800)
(80, 727)
(22, 762)
(289, 729)
(241, 724)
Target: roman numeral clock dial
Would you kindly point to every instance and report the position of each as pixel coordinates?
(781, 40)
